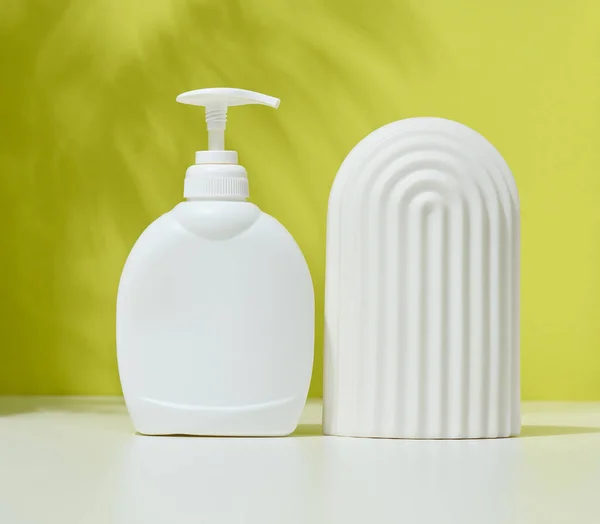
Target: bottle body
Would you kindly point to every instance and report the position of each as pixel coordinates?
(215, 324)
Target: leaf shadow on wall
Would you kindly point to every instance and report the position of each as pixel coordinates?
(95, 147)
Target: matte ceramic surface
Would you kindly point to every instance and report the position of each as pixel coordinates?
(422, 287)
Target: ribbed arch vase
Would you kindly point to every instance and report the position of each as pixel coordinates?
(422, 287)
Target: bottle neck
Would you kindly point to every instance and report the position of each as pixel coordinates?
(215, 199)
(225, 182)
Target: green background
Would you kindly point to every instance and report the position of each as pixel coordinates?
(94, 148)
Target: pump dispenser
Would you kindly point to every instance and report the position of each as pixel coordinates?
(215, 308)
(217, 173)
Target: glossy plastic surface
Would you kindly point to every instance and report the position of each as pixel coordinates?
(215, 324)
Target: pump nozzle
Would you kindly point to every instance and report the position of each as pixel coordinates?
(216, 100)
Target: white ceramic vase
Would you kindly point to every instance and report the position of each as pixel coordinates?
(422, 287)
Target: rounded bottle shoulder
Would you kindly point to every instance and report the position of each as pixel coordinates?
(215, 221)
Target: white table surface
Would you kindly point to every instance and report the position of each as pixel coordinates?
(75, 460)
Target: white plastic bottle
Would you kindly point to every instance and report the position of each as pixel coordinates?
(215, 309)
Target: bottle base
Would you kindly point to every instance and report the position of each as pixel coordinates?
(271, 419)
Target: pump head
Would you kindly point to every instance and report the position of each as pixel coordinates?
(216, 174)
(216, 100)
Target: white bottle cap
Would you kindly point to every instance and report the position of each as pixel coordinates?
(205, 179)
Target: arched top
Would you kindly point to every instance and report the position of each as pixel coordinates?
(417, 144)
